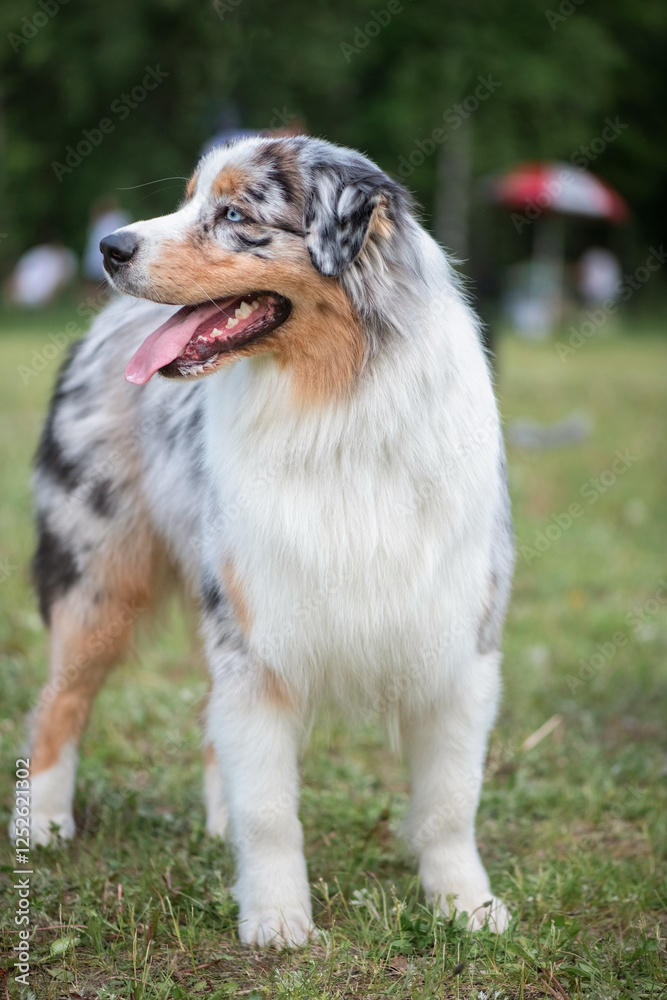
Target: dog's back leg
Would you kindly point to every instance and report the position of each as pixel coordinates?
(91, 598)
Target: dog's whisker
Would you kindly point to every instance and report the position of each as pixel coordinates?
(208, 298)
(134, 187)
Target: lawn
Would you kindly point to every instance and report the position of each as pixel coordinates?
(572, 824)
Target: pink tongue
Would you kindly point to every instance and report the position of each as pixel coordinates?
(168, 341)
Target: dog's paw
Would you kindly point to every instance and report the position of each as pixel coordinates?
(216, 823)
(42, 832)
(492, 914)
(481, 908)
(276, 928)
(458, 884)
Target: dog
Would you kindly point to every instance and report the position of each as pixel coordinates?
(320, 459)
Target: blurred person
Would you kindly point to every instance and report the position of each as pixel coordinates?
(531, 301)
(41, 273)
(598, 276)
(228, 126)
(281, 125)
(105, 217)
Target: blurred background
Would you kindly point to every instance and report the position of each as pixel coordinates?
(444, 96)
(533, 135)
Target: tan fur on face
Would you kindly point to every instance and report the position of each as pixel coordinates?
(237, 597)
(321, 344)
(232, 183)
(191, 186)
(229, 183)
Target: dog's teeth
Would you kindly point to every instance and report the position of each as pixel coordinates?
(243, 311)
(215, 332)
(254, 305)
(231, 323)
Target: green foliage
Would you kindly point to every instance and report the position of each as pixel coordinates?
(352, 69)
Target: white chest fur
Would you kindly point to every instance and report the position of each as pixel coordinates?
(359, 531)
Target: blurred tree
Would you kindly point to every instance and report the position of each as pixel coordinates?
(102, 97)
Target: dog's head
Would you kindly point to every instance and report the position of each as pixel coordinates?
(258, 256)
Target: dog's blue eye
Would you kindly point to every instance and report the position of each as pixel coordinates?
(233, 215)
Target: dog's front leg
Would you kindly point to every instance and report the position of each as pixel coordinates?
(446, 743)
(255, 728)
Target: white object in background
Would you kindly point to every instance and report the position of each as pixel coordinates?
(40, 273)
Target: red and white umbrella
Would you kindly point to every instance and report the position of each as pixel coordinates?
(558, 187)
(547, 193)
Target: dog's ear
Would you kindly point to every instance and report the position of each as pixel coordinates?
(339, 213)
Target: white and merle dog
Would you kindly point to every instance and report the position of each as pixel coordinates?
(334, 494)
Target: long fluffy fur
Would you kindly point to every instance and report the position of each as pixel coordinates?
(349, 541)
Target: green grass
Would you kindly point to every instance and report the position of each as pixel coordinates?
(573, 830)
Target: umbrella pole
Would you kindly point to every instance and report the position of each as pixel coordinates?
(549, 252)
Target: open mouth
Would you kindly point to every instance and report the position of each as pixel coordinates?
(191, 340)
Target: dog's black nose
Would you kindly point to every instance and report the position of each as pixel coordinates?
(117, 249)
